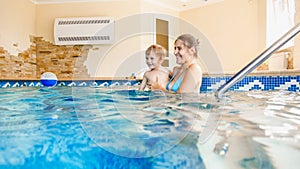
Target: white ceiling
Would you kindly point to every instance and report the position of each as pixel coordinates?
(182, 5)
(178, 5)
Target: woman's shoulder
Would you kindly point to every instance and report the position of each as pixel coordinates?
(196, 69)
(195, 66)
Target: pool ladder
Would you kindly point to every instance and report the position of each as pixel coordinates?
(221, 148)
(258, 60)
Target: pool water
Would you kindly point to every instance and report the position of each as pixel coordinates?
(120, 127)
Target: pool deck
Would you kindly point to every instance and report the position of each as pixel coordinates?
(286, 72)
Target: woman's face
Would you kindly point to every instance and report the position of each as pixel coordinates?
(182, 53)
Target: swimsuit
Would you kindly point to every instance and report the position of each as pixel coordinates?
(176, 84)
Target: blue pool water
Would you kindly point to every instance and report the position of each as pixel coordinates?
(66, 127)
(120, 127)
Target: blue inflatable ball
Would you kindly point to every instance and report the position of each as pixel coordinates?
(48, 79)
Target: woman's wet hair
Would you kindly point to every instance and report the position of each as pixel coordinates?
(189, 41)
(158, 50)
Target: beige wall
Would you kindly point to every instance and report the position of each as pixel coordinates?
(262, 24)
(233, 27)
(46, 13)
(99, 58)
(17, 19)
(236, 29)
(107, 60)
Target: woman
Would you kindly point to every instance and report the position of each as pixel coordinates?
(187, 77)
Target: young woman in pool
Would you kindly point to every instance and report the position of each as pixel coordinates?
(187, 77)
(155, 55)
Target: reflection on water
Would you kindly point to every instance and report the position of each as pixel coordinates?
(261, 127)
(118, 127)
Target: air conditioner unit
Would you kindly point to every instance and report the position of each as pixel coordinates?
(84, 30)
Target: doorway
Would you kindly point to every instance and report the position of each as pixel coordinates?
(162, 37)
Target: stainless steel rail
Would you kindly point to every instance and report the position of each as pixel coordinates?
(258, 60)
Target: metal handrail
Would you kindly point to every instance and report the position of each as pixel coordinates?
(258, 60)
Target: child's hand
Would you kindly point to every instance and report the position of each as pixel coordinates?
(156, 85)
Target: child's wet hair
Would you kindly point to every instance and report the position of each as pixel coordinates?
(158, 50)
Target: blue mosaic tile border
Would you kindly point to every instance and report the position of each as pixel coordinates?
(289, 83)
(79, 83)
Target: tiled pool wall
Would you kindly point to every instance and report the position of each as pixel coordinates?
(289, 83)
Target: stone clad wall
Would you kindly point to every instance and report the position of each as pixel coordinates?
(66, 62)
(23, 65)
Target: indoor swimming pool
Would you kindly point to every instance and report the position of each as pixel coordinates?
(120, 127)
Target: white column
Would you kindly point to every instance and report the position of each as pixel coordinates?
(297, 37)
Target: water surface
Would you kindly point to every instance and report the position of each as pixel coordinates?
(120, 127)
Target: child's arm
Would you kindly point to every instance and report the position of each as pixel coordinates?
(144, 83)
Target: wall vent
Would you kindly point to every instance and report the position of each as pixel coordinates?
(84, 31)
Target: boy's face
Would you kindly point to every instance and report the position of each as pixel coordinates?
(153, 61)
